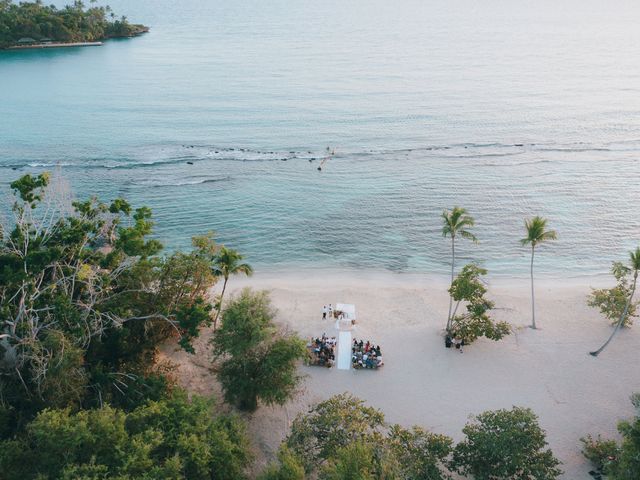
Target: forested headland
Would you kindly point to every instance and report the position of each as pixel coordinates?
(73, 23)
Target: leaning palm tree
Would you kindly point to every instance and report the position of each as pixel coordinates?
(537, 233)
(456, 222)
(228, 262)
(635, 266)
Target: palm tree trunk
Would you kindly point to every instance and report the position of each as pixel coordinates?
(533, 296)
(453, 261)
(622, 317)
(224, 286)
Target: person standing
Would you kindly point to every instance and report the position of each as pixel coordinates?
(330, 311)
(324, 312)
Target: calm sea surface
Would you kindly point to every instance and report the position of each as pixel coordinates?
(509, 108)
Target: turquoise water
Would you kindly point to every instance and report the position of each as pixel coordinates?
(507, 108)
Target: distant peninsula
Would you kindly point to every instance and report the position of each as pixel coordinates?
(35, 25)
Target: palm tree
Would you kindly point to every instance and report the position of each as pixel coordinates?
(456, 222)
(536, 234)
(635, 266)
(226, 263)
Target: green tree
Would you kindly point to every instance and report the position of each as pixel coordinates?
(612, 301)
(343, 438)
(634, 267)
(288, 467)
(421, 455)
(618, 461)
(476, 322)
(228, 262)
(603, 453)
(505, 445)
(537, 233)
(85, 300)
(174, 438)
(333, 424)
(456, 223)
(628, 465)
(257, 361)
(360, 460)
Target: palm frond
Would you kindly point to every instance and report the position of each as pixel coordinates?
(456, 221)
(468, 235)
(536, 231)
(635, 259)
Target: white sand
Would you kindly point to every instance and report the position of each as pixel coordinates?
(423, 383)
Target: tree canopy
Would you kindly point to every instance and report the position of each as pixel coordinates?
(343, 438)
(174, 438)
(468, 287)
(612, 301)
(85, 300)
(73, 23)
(505, 445)
(257, 361)
(618, 460)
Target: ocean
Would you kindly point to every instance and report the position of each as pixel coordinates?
(219, 118)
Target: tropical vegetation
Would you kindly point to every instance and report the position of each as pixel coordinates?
(255, 360)
(476, 322)
(633, 269)
(86, 299)
(172, 438)
(72, 23)
(456, 223)
(618, 460)
(612, 301)
(537, 233)
(227, 262)
(505, 444)
(342, 438)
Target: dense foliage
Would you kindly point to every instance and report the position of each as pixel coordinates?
(73, 23)
(468, 287)
(85, 300)
(618, 461)
(343, 438)
(257, 361)
(505, 445)
(288, 467)
(169, 439)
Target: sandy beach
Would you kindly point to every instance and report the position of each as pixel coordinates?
(548, 370)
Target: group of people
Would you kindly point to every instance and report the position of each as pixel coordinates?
(365, 355)
(321, 351)
(330, 313)
(454, 341)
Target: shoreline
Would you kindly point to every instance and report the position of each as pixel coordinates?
(322, 277)
(55, 45)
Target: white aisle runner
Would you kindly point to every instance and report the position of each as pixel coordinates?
(344, 350)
